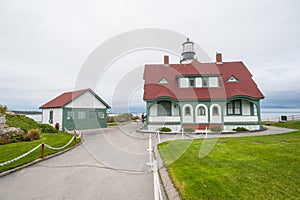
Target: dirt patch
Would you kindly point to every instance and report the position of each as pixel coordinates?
(257, 142)
(283, 141)
(221, 142)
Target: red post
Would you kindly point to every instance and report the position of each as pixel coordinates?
(75, 136)
(43, 150)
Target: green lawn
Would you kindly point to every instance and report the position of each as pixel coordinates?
(261, 167)
(10, 151)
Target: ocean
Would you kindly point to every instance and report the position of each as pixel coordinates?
(267, 114)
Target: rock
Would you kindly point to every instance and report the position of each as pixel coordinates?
(2, 120)
(12, 129)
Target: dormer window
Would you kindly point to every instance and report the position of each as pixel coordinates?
(198, 82)
(163, 81)
(232, 79)
(192, 82)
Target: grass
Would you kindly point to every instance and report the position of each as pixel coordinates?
(26, 123)
(260, 167)
(13, 150)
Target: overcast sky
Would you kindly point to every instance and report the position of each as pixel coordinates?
(43, 44)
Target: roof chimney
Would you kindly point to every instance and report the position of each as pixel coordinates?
(166, 60)
(218, 58)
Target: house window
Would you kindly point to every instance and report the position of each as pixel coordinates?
(92, 114)
(191, 82)
(201, 111)
(164, 108)
(215, 111)
(234, 107)
(101, 115)
(70, 115)
(51, 117)
(81, 115)
(187, 111)
(205, 82)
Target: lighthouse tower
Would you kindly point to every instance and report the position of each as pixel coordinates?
(188, 53)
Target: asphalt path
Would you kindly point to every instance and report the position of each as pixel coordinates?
(110, 164)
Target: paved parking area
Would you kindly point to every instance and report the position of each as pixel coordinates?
(110, 164)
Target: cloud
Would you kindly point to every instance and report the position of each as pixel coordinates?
(44, 43)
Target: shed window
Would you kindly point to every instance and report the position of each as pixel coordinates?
(92, 114)
(81, 115)
(70, 115)
(101, 115)
(201, 111)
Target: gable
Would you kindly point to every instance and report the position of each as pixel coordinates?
(86, 100)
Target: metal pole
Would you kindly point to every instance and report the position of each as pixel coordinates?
(158, 136)
(206, 132)
(43, 150)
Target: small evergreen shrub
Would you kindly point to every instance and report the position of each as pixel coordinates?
(46, 128)
(216, 129)
(34, 134)
(189, 130)
(240, 129)
(165, 129)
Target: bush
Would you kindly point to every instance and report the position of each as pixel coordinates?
(165, 129)
(3, 109)
(4, 139)
(22, 122)
(34, 134)
(46, 128)
(110, 119)
(240, 129)
(216, 129)
(189, 130)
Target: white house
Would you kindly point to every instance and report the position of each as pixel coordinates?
(197, 95)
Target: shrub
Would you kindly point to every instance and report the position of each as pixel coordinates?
(46, 128)
(216, 129)
(240, 129)
(4, 139)
(34, 134)
(110, 119)
(165, 129)
(3, 109)
(189, 130)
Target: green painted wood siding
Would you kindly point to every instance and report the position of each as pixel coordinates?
(84, 118)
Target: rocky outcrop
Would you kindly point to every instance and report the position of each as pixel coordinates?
(4, 129)
(2, 121)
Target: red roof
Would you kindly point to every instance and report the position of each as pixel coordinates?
(244, 87)
(63, 99)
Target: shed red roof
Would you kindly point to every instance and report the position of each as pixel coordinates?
(63, 99)
(244, 87)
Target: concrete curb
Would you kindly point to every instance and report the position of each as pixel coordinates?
(5, 173)
(170, 191)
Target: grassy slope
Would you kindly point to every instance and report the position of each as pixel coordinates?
(263, 167)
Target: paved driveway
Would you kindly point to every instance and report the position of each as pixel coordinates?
(110, 164)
